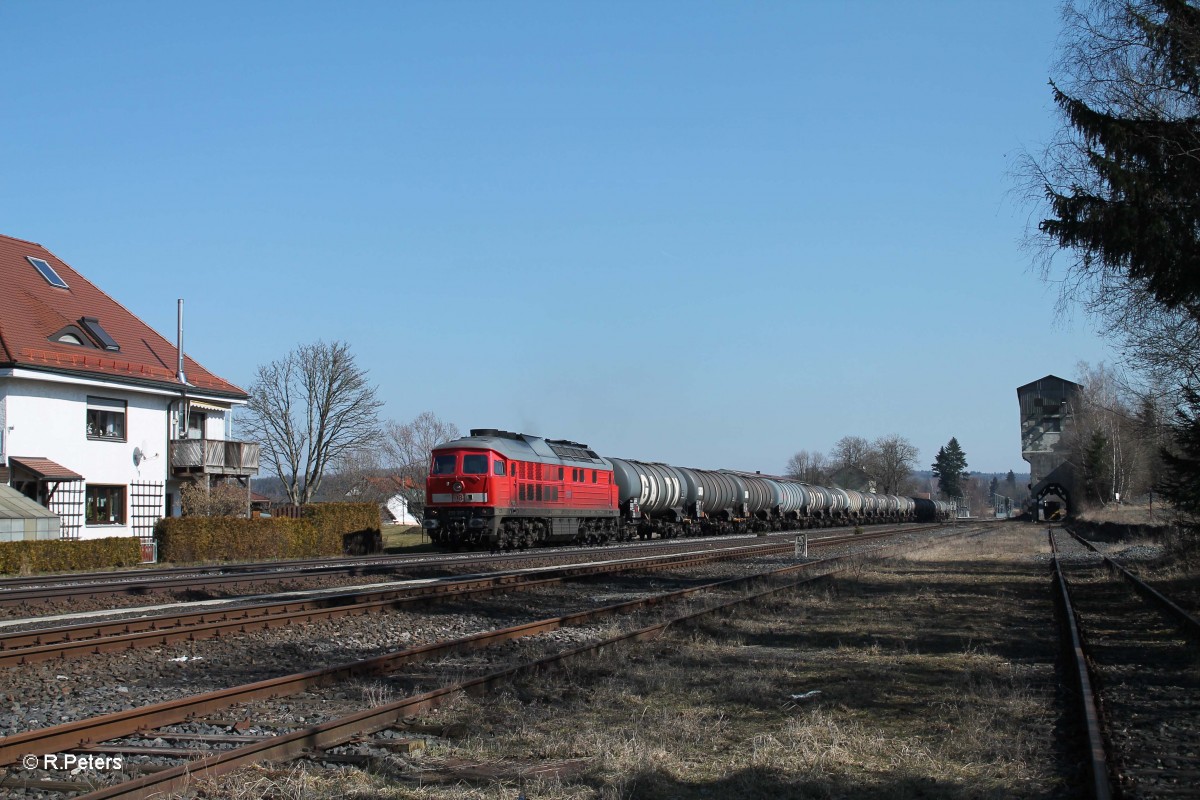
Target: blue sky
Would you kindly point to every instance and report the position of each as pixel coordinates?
(704, 233)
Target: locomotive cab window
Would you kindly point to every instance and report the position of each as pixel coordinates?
(593, 476)
(444, 465)
(499, 467)
(475, 464)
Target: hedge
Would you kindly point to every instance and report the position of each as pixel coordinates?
(58, 555)
(327, 529)
(356, 523)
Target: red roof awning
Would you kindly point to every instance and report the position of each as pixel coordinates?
(44, 468)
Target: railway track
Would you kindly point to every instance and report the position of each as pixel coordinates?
(152, 732)
(80, 640)
(1137, 673)
(66, 589)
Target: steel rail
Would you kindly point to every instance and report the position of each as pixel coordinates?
(1188, 622)
(62, 587)
(70, 735)
(70, 641)
(25, 647)
(150, 572)
(13, 590)
(430, 559)
(1088, 698)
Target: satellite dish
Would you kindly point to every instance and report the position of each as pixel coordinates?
(138, 456)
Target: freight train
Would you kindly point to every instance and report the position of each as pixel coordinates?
(512, 490)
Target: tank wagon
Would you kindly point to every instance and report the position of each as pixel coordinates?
(514, 490)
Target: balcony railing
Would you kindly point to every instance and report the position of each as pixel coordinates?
(214, 457)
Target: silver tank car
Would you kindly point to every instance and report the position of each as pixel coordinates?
(722, 494)
(651, 497)
(820, 503)
(796, 499)
(854, 503)
(871, 504)
(761, 496)
(655, 487)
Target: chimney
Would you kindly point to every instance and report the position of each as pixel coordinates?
(179, 343)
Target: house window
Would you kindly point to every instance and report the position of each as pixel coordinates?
(105, 505)
(106, 419)
(196, 420)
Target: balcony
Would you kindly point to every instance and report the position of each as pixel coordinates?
(213, 457)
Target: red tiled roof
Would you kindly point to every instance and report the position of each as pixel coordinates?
(31, 310)
(390, 483)
(45, 468)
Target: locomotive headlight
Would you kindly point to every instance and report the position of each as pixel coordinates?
(458, 486)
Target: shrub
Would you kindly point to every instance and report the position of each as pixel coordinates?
(57, 555)
(327, 529)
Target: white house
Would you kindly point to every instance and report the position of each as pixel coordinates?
(397, 508)
(96, 422)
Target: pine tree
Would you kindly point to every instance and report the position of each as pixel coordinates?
(1181, 485)
(950, 467)
(1136, 213)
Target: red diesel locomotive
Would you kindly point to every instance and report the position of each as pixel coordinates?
(515, 490)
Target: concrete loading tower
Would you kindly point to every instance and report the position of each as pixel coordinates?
(1046, 407)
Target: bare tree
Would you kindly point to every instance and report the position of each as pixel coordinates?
(408, 447)
(1160, 344)
(807, 467)
(891, 461)
(358, 476)
(850, 451)
(308, 410)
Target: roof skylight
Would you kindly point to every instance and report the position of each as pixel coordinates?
(92, 326)
(48, 272)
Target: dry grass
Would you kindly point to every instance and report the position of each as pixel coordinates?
(404, 537)
(922, 679)
(1010, 542)
(1130, 514)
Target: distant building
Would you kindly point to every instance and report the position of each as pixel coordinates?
(395, 504)
(95, 423)
(1046, 413)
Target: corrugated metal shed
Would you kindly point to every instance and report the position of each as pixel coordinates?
(22, 519)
